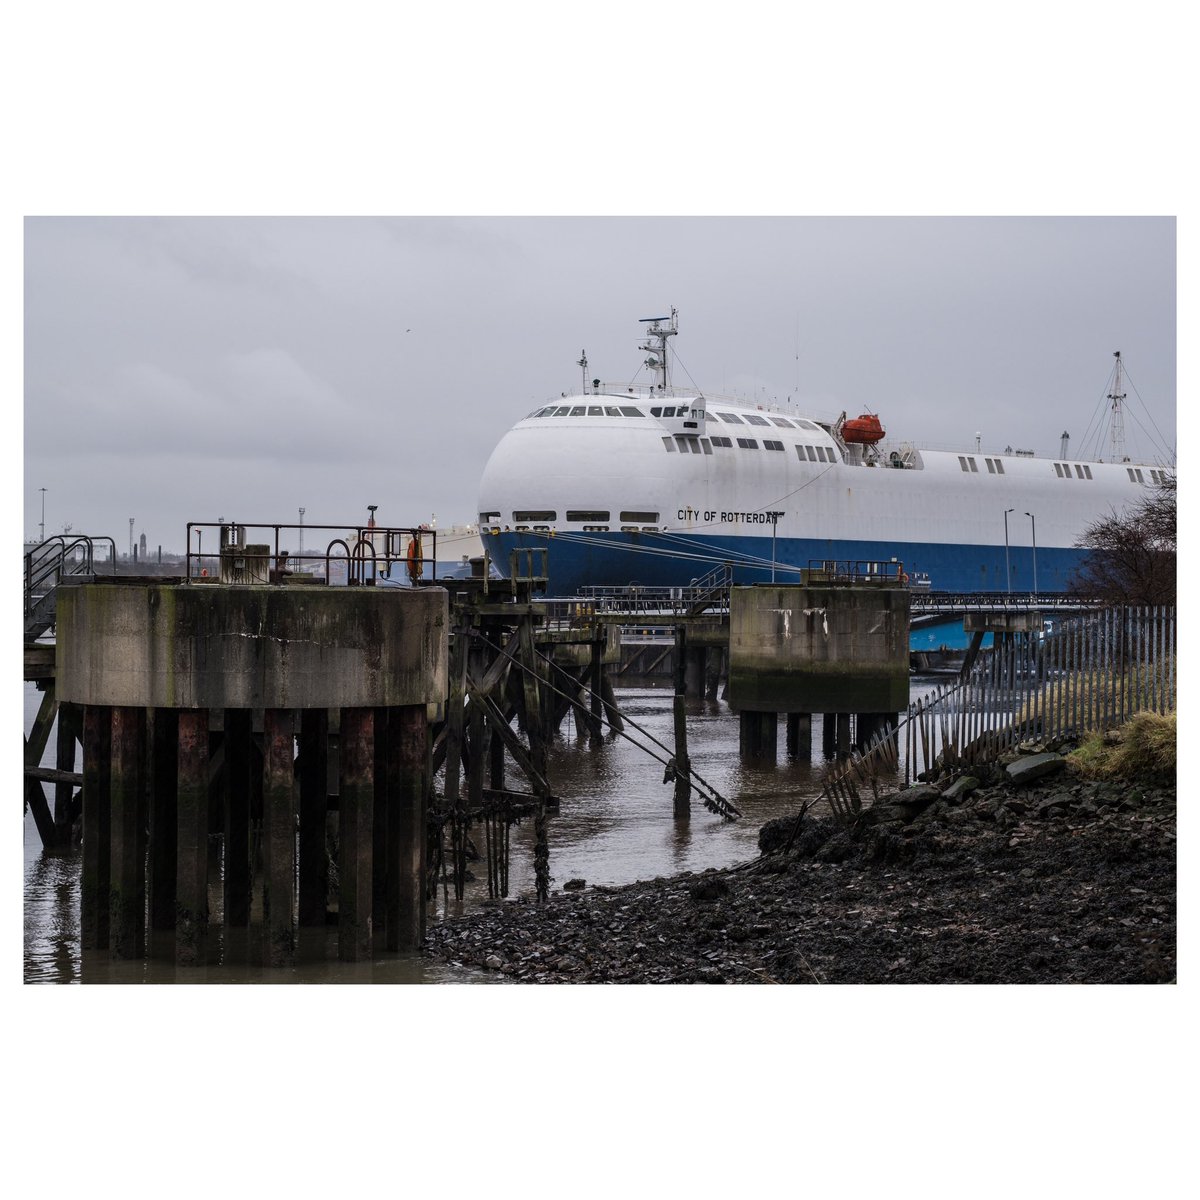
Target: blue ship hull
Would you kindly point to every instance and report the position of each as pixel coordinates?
(650, 560)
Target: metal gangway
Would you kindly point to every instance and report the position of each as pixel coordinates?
(64, 556)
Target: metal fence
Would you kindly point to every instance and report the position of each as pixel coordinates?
(1084, 674)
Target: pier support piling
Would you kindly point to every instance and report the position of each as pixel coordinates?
(799, 736)
(94, 886)
(191, 890)
(356, 803)
(279, 837)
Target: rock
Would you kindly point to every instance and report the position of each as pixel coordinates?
(1059, 800)
(708, 889)
(493, 962)
(1036, 766)
(836, 850)
(960, 788)
(574, 885)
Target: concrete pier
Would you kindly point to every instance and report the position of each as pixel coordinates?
(840, 649)
(182, 683)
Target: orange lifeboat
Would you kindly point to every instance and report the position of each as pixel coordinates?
(864, 430)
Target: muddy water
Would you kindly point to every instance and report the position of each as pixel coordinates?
(616, 826)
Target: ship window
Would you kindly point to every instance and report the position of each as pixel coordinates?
(1132, 476)
(962, 462)
(1087, 472)
(751, 419)
(611, 410)
(811, 451)
(1139, 477)
(781, 422)
(974, 465)
(627, 411)
(484, 518)
(595, 529)
(747, 443)
(722, 441)
(630, 529)
(999, 466)
(557, 412)
(1078, 471)
(642, 518)
(800, 453)
(1058, 470)
(991, 466)
(669, 444)
(730, 418)
(535, 514)
(769, 445)
(686, 443)
(806, 424)
(656, 412)
(706, 445)
(595, 410)
(586, 515)
(579, 410)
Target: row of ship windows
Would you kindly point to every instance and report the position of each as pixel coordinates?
(968, 463)
(1155, 476)
(1082, 470)
(594, 520)
(628, 410)
(545, 515)
(687, 443)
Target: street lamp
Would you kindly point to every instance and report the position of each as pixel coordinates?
(43, 526)
(1033, 523)
(1007, 568)
(300, 555)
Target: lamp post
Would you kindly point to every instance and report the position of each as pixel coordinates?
(1033, 530)
(43, 525)
(199, 553)
(301, 553)
(1007, 568)
(774, 524)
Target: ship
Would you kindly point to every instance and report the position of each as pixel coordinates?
(661, 486)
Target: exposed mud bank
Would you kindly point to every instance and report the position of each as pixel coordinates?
(982, 880)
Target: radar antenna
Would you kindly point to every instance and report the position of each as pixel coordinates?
(1117, 424)
(655, 344)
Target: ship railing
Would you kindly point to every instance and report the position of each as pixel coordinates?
(882, 573)
(1000, 601)
(260, 552)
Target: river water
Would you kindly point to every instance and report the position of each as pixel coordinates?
(615, 826)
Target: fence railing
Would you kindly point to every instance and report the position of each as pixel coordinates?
(1086, 674)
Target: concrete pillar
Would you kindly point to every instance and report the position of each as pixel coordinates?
(712, 671)
(94, 886)
(191, 855)
(799, 736)
(844, 742)
(356, 802)
(164, 756)
(595, 699)
(279, 837)
(314, 805)
(127, 790)
(237, 816)
(828, 735)
(408, 766)
(759, 735)
(695, 659)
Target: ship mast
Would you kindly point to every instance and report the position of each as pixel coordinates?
(1117, 424)
(660, 329)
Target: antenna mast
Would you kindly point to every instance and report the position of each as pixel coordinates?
(582, 364)
(1117, 424)
(660, 329)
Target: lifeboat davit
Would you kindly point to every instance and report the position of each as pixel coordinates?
(864, 430)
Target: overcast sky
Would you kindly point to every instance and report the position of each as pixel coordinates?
(185, 369)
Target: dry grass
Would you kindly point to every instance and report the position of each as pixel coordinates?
(1143, 748)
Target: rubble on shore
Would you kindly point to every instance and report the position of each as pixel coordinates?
(1019, 871)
